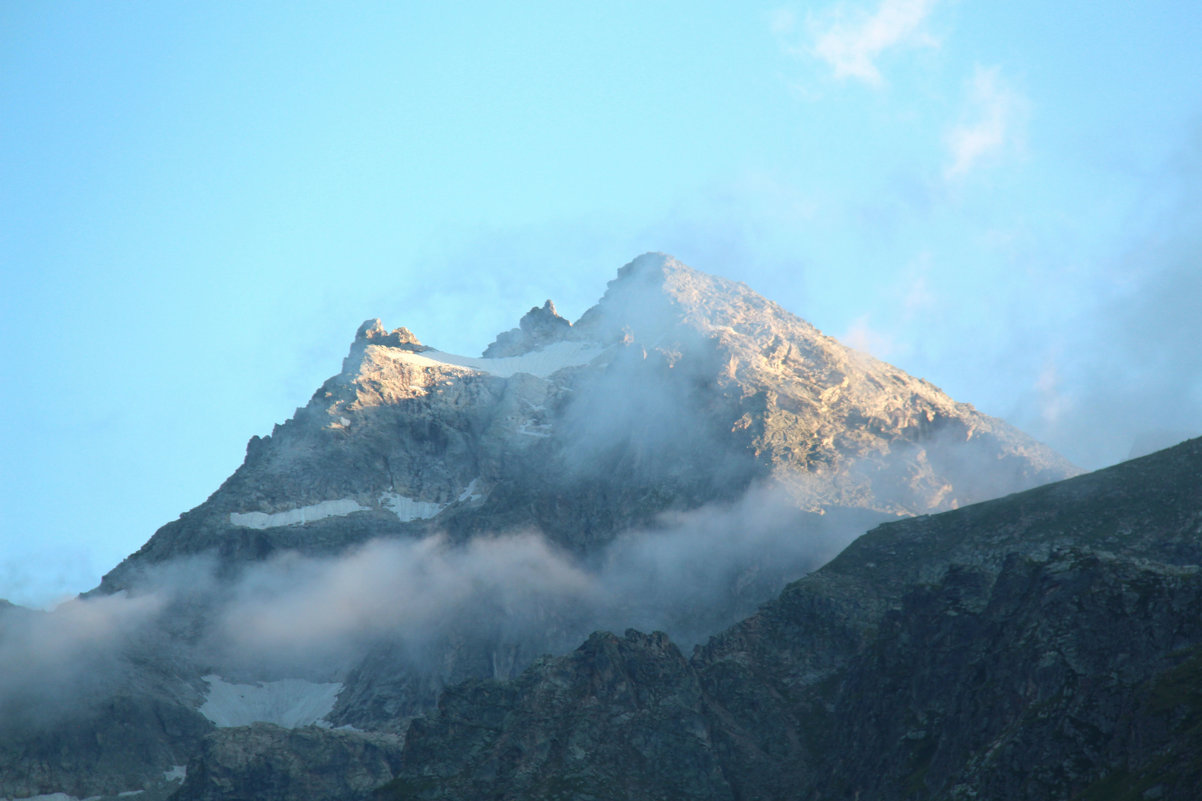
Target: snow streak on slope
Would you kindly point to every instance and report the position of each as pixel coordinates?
(303, 514)
(405, 509)
(541, 363)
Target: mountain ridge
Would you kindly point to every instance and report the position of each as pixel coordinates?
(670, 460)
(779, 398)
(1054, 658)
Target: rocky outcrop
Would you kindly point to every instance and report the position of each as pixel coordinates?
(644, 732)
(538, 327)
(1016, 685)
(372, 332)
(1043, 646)
(116, 743)
(269, 763)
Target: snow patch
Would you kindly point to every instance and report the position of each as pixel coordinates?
(469, 493)
(426, 359)
(541, 363)
(290, 703)
(292, 517)
(177, 773)
(534, 430)
(49, 797)
(407, 509)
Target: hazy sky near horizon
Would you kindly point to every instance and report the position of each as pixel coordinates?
(200, 202)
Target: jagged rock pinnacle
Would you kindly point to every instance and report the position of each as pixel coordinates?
(538, 327)
(372, 332)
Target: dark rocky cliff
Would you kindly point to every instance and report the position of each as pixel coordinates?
(1043, 646)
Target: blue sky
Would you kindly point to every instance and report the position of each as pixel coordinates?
(200, 202)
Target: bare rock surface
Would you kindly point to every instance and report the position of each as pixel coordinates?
(270, 763)
(1043, 646)
(540, 326)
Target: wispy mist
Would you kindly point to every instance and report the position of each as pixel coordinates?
(690, 573)
(300, 610)
(48, 660)
(1127, 378)
(706, 568)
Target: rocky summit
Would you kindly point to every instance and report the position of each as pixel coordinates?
(670, 461)
(676, 390)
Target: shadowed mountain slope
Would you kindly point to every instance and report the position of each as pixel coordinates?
(1042, 646)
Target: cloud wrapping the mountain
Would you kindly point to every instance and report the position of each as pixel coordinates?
(706, 568)
(295, 608)
(658, 415)
(48, 659)
(690, 573)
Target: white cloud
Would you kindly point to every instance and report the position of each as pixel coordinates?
(995, 117)
(861, 335)
(1054, 404)
(851, 44)
(886, 332)
(917, 296)
(295, 608)
(49, 660)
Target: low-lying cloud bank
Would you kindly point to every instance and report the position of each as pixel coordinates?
(690, 575)
(48, 659)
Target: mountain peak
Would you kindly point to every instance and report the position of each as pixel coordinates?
(656, 298)
(670, 460)
(676, 388)
(653, 265)
(372, 332)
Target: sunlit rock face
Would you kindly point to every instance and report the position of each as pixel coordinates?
(668, 461)
(677, 389)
